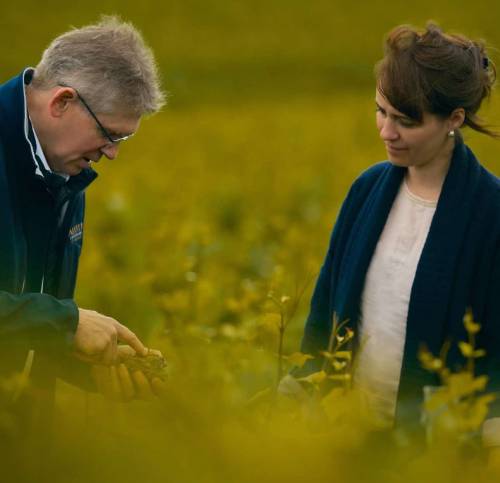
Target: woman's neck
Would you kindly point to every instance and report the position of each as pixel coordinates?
(426, 181)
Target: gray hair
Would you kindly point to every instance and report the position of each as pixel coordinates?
(108, 63)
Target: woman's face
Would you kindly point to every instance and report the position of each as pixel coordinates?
(411, 143)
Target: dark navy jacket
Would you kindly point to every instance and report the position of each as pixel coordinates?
(41, 228)
(459, 267)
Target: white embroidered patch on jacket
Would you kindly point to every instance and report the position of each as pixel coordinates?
(76, 232)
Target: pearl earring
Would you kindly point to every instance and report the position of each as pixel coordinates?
(451, 134)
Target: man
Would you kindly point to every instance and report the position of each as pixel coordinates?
(86, 95)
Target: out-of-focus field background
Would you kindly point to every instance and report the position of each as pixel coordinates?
(270, 118)
(232, 190)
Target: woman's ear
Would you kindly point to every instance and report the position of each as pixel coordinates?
(456, 118)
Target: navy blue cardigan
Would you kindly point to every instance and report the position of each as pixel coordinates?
(459, 267)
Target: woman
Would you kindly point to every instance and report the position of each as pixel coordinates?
(417, 240)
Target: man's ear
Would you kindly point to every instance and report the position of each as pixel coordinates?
(61, 100)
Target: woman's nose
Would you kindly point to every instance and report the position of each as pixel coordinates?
(388, 131)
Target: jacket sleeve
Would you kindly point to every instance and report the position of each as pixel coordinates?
(318, 324)
(47, 325)
(491, 427)
(492, 341)
(37, 319)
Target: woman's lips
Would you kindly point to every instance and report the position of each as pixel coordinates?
(395, 150)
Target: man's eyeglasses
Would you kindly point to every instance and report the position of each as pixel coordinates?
(104, 131)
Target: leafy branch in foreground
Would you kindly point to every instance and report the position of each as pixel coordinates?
(287, 308)
(456, 409)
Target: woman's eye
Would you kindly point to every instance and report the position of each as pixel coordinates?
(407, 122)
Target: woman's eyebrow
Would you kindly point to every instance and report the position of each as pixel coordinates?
(396, 116)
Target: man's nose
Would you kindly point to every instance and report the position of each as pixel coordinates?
(110, 151)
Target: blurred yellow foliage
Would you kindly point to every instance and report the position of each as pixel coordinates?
(225, 197)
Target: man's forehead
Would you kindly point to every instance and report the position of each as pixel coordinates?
(121, 123)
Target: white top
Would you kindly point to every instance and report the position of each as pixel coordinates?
(385, 299)
(384, 307)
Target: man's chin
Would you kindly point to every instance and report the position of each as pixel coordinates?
(71, 171)
(76, 167)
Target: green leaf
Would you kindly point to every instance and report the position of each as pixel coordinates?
(339, 365)
(298, 359)
(464, 384)
(466, 349)
(428, 361)
(314, 378)
(327, 355)
(261, 396)
(340, 377)
(349, 334)
(470, 326)
(347, 355)
(438, 400)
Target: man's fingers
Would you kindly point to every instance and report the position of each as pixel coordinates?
(125, 352)
(127, 386)
(118, 384)
(110, 354)
(142, 385)
(126, 335)
(159, 387)
(85, 358)
(96, 375)
(102, 379)
(116, 390)
(113, 382)
(97, 336)
(155, 352)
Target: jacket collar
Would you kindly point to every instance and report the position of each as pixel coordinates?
(365, 233)
(20, 143)
(436, 271)
(440, 251)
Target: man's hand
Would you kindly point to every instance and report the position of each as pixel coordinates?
(118, 383)
(96, 338)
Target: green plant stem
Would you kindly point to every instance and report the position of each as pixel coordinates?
(331, 341)
(280, 348)
(470, 359)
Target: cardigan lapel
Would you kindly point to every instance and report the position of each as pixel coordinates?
(435, 278)
(436, 269)
(366, 230)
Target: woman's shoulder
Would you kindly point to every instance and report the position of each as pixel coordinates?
(487, 183)
(489, 188)
(490, 180)
(374, 171)
(371, 175)
(486, 209)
